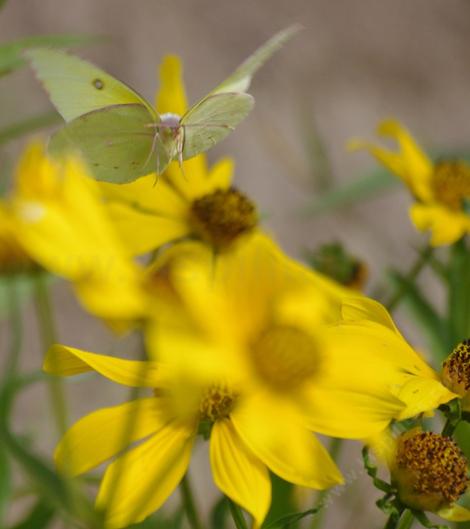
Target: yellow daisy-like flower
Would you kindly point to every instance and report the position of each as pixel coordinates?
(57, 217)
(441, 189)
(302, 346)
(428, 470)
(456, 373)
(139, 480)
(201, 203)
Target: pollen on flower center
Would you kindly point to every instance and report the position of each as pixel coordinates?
(217, 403)
(222, 216)
(451, 183)
(431, 471)
(285, 357)
(456, 369)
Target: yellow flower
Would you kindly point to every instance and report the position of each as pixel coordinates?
(140, 479)
(428, 470)
(200, 203)
(264, 322)
(58, 218)
(440, 189)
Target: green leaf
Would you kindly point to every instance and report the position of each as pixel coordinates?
(11, 53)
(28, 125)
(423, 311)
(289, 519)
(372, 471)
(219, 514)
(282, 503)
(5, 483)
(426, 522)
(40, 517)
(459, 294)
(352, 192)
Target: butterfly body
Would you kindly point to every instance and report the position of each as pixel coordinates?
(120, 134)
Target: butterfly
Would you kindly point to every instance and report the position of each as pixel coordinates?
(120, 134)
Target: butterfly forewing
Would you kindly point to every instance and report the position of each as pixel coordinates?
(118, 142)
(212, 120)
(77, 87)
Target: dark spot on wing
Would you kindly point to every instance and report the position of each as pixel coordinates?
(98, 84)
(96, 164)
(115, 167)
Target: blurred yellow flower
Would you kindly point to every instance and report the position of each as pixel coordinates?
(139, 480)
(305, 348)
(428, 470)
(441, 189)
(201, 203)
(57, 216)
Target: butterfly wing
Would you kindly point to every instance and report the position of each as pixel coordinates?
(216, 115)
(118, 143)
(212, 120)
(77, 87)
(240, 79)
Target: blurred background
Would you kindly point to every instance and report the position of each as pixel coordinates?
(354, 64)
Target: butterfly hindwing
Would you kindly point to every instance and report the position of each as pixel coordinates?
(117, 142)
(212, 120)
(77, 87)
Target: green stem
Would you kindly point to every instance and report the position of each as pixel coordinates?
(411, 276)
(189, 503)
(335, 450)
(393, 520)
(237, 515)
(15, 329)
(407, 520)
(48, 338)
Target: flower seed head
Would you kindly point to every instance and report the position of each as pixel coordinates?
(456, 370)
(451, 183)
(220, 217)
(430, 471)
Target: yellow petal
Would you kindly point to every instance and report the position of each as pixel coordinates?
(456, 513)
(149, 194)
(410, 163)
(349, 414)
(357, 308)
(384, 446)
(221, 174)
(238, 473)
(277, 435)
(142, 232)
(140, 481)
(446, 225)
(104, 433)
(67, 361)
(172, 95)
(422, 395)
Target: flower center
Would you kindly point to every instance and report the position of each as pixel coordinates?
(456, 369)
(222, 216)
(451, 183)
(285, 357)
(431, 471)
(217, 403)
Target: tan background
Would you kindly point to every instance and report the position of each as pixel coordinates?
(355, 63)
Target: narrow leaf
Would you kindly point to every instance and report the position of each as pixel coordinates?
(28, 126)
(5, 484)
(11, 53)
(40, 517)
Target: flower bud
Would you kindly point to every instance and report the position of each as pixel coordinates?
(456, 372)
(429, 471)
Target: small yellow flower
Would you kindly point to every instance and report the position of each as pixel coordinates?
(259, 319)
(441, 190)
(140, 479)
(201, 203)
(58, 219)
(428, 470)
